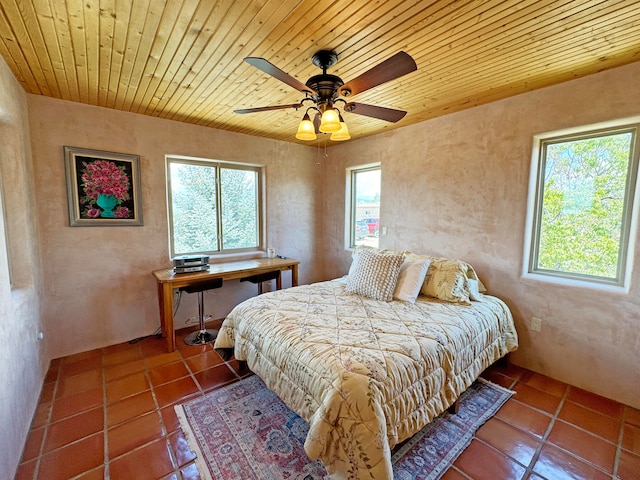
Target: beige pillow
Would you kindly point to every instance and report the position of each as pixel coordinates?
(448, 280)
(411, 278)
(375, 274)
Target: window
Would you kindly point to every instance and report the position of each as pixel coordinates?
(584, 192)
(364, 205)
(214, 207)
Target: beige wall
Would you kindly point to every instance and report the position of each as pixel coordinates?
(457, 186)
(98, 284)
(23, 360)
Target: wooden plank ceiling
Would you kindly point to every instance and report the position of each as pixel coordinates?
(183, 59)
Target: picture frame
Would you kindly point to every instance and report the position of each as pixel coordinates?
(103, 188)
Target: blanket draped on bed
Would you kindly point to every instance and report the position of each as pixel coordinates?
(365, 374)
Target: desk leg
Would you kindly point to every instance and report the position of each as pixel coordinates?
(166, 315)
(279, 282)
(294, 276)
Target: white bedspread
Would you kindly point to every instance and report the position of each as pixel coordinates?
(365, 374)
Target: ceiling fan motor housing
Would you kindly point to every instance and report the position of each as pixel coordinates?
(326, 86)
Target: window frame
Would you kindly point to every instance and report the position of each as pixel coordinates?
(218, 165)
(350, 214)
(631, 206)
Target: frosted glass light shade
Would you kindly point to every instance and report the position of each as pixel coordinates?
(306, 129)
(342, 134)
(330, 122)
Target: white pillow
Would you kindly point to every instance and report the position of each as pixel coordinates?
(410, 279)
(375, 274)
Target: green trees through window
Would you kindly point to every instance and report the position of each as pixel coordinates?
(212, 207)
(584, 205)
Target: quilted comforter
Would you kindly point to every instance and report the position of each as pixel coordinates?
(365, 374)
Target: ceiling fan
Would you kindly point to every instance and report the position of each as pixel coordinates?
(324, 91)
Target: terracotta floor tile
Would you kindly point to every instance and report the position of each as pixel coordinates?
(153, 345)
(509, 440)
(241, 369)
(77, 403)
(137, 464)
(498, 378)
(524, 417)
(632, 416)
(481, 462)
(74, 428)
(123, 355)
(180, 447)
(162, 359)
(536, 398)
(82, 356)
(113, 372)
(544, 383)
(631, 439)
(135, 433)
(33, 444)
(190, 350)
(93, 362)
(79, 383)
(41, 415)
(52, 373)
(96, 474)
(172, 392)
(46, 395)
(26, 471)
(629, 466)
(453, 474)
(215, 377)
(555, 464)
(73, 459)
(130, 407)
(203, 361)
(170, 419)
(509, 370)
(190, 472)
(596, 402)
(168, 373)
(588, 447)
(596, 423)
(126, 386)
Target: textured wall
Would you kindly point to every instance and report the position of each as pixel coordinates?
(23, 360)
(99, 288)
(457, 186)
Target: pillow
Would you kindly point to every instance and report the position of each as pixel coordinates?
(375, 274)
(448, 280)
(410, 279)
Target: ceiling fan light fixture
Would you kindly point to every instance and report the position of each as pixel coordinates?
(306, 129)
(343, 133)
(330, 121)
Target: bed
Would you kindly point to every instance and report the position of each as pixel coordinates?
(367, 371)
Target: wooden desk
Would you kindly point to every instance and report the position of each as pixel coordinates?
(168, 281)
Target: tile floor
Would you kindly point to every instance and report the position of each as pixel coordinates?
(108, 414)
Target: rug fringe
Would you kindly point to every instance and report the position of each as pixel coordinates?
(201, 464)
(496, 386)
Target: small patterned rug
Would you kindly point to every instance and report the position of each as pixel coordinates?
(244, 431)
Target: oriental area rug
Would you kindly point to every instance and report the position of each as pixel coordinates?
(244, 431)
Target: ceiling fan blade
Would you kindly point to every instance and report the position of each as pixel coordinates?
(266, 109)
(382, 113)
(270, 69)
(393, 67)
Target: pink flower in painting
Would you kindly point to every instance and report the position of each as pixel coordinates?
(121, 212)
(104, 177)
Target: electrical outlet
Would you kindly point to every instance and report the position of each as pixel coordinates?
(536, 324)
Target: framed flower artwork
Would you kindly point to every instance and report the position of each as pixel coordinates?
(103, 188)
